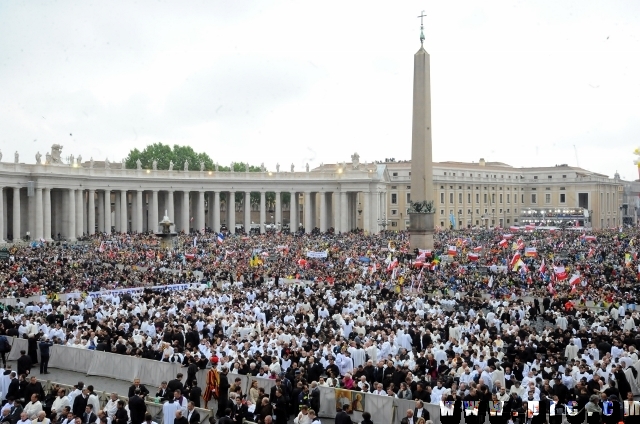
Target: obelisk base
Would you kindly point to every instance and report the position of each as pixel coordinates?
(421, 230)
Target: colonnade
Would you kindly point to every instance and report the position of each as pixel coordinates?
(43, 212)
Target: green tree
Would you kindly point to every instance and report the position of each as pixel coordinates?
(164, 154)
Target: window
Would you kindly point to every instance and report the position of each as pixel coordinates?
(485, 198)
(485, 210)
(564, 176)
(535, 177)
(406, 224)
(408, 197)
(508, 198)
(441, 187)
(508, 211)
(468, 197)
(408, 187)
(459, 187)
(394, 224)
(500, 210)
(394, 211)
(441, 211)
(478, 211)
(395, 174)
(441, 198)
(394, 198)
(508, 220)
(515, 211)
(563, 198)
(450, 197)
(522, 199)
(562, 188)
(500, 197)
(450, 187)
(547, 188)
(477, 197)
(441, 224)
(459, 197)
(394, 187)
(534, 198)
(493, 198)
(547, 198)
(550, 176)
(493, 211)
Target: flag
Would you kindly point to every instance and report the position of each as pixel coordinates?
(518, 264)
(220, 238)
(473, 256)
(102, 247)
(392, 265)
(543, 267)
(575, 279)
(503, 243)
(591, 252)
(560, 273)
(531, 252)
(195, 241)
(477, 248)
(514, 259)
(507, 236)
(529, 227)
(151, 254)
(550, 288)
(452, 250)
(514, 229)
(490, 281)
(627, 259)
(561, 245)
(589, 238)
(374, 268)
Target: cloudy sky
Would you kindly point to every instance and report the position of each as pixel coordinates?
(532, 83)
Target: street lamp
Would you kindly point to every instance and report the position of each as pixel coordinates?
(383, 222)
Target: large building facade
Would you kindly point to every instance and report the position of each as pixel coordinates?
(492, 194)
(69, 200)
(51, 200)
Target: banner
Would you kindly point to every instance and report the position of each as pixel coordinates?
(316, 255)
(138, 290)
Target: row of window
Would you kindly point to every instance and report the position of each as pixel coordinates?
(485, 197)
(469, 212)
(453, 174)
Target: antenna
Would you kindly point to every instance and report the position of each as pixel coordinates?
(576, 152)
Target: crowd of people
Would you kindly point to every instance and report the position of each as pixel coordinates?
(539, 316)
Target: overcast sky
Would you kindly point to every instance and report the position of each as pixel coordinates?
(300, 81)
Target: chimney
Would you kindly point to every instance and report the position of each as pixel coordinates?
(481, 162)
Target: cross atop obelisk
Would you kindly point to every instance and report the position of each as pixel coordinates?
(421, 224)
(422, 15)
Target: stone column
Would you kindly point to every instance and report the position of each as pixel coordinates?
(107, 211)
(308, 225)
(46, 212)
(153, 216)
(185, 212)
(1, 215)
(124, 206)
(170, 209)
(247, 211)
(39, 218)
(231, 210)
(117, 208)
(16, 214)
(263, 211)
(216, 211)
(101, 210)
(200, 214)
(344, 212)
(293, 212)
(79, 213)
(323, 211)
(91, 212)
(278, 211)
(70, 229)
(139, 207)
(366, 212)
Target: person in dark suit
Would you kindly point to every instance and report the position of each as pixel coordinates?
(223, 388)
(15, 411)
(193, 416)
(239, 411)
(80, 403)
(136, 385)
(137, 407)
(24, 363)
(420, 412)
(121, 416)
(179, 418)
(89, 417)
(342, 417)
(226, 418)
(195, 394)
(176, 383)
(163, 392)
(14, 387)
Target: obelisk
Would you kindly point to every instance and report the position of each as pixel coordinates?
(421, 224)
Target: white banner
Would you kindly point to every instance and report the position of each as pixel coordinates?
(138, 290)
(316, 255)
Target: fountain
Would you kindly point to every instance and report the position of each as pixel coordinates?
(167, 238)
